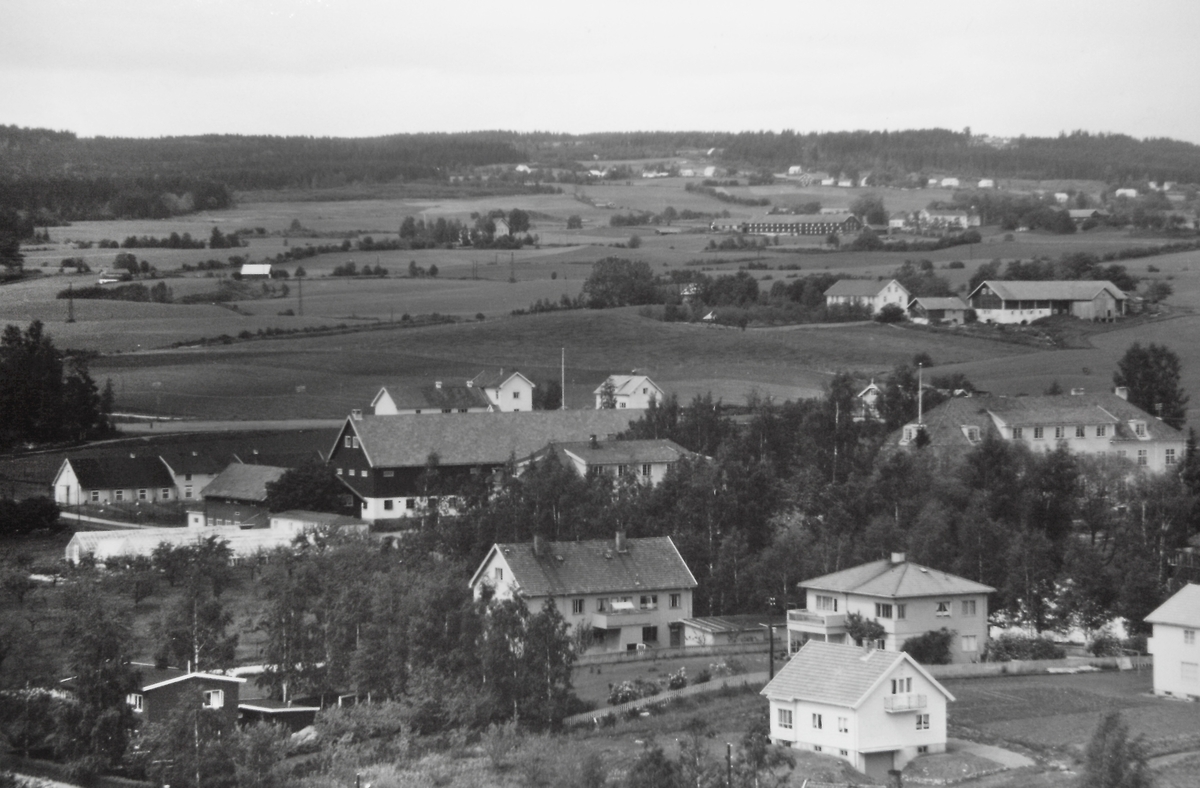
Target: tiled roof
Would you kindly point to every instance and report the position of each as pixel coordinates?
(478, 438)
(121, 473)
(1182, 609)
(939, 303)
(625, 384)
(837, 674)
(1050, 290)
(243, 482)
(453, 396)
(595, 566)
(623, 452)
(868, 288)
(493, 380)
(902, 580)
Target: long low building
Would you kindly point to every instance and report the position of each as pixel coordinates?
(996, 301)
(803, 224)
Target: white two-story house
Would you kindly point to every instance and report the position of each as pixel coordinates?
(630, 391)
(1176, 652)
(621, 594)
(867, 292)
(645, 461)
(876, 709)
(907, 599)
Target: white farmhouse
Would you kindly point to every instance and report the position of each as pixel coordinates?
(876, 709)
(866, 292)
(630, 391)
(1173, 645)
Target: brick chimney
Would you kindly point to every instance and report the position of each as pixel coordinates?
(1122, 392)
(356, 414)
(593, 443)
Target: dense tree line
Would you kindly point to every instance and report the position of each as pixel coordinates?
(1077, 266)
(45, 395)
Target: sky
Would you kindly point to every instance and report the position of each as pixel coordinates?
(357, 68)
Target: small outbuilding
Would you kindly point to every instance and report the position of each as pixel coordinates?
(1173, 644)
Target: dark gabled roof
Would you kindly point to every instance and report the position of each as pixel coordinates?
(477, 438)
(837, 674)
(897, 581)
(862, 288)
(433, 397)
(241, 482)
(194, 462)
(121, 473)
(1046, 290)
(594, 566)
(622, 452)
(930, 302)
(493, 380)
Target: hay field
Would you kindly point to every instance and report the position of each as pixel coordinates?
(259, 379)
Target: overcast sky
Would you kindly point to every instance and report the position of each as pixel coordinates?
(147, 68)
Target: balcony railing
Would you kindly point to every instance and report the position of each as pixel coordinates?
(610, 619)
(823, 620)
(906, 702)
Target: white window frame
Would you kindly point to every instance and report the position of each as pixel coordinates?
(922, 722)
(676, 601)
(968, 607)
(817, 721)
(901, 611)
(970, 643)
(577, 607)
(1017, 434)
(214, 699)
(843, 724)
(1189, 637)
(95, 496)
(136, 702)
(785, 719)
(943, 609)
(498, 573)
(143, 494)
(1060, 433)
(1143, 457)
(1101, 431)
(1081, 432)
(1039, 433)
(883, 610)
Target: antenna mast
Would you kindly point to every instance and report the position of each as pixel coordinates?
(920, 396)
(562, 396)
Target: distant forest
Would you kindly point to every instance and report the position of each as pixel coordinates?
(48, 177)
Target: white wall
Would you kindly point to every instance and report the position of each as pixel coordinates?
(1172, 657)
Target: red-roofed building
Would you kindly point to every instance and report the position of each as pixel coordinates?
(907, 599)
(629, 593)
(875, 709)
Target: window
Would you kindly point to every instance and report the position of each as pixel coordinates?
(908, 434)
(622, 470)
(118, 495)
(943, 609)
(355, 440)
(187, 477)
(1169, 456)
(922, 722)
(363, 473)
(1060, 432)
(1143, 459)
(785, 718)
(646, 466)
(498, 573)
(973, 434)
(883, 610)
(818, 748)
(1017, 433)
(410, 503)
(901, 686)
(827, 603)
(387, 504)
(675, 601)
(843, 753)
(923, 748)
(1189, 671)
(601, 605)
(843, 725)
(349, 442)
(650, 634)
(95, 496)
(970, 643)
(134, 700)
(1101, 430)
(389, 474)
(577, 607)
(165, 493)
(1140, 429)
(187, 492)
(900, 611)
(339, 471)
(1189, 637)
(648, 602)
(817, 721)
(516, 395)
(1079, 432)
(968, 607)
(142, 495)
(1039, 433)
(214, 699)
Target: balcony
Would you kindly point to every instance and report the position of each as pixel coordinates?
(809, 621)
(910, 701)
(632, 617)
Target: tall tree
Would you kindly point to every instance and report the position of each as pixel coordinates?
(1151, 374)
(1112, 759)
(312, 486)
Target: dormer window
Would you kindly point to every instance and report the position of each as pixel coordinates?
(1139, 429)
(972, 433)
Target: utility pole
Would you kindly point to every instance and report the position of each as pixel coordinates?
(562, 386)
(70, 302)
(300, 282)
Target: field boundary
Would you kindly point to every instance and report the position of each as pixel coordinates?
(594, 717)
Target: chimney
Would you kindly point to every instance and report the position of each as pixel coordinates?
(622, 547)
(897, 558)
(593, 443)
(539, 546)
(1122, 392)
(437, 384)
(356, 414)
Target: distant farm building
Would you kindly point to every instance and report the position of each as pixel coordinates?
(256, 270)
(1130, 193)
(804, 224)
(1023, 302)
(987, 183)
(949, 183)
(795, 169)
(926, 310)
(630, 391)
(867, 292)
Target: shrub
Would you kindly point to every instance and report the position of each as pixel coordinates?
(677, 680)
(931, 648)
(891, 313)
(1008, 647)
(632, 690)
(703, 677)
(956, 264)
(1105, 644)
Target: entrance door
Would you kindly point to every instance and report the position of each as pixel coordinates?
(877, 764)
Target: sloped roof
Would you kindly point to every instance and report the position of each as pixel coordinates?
(1084, 290)
(477, 438)
(142, 541)
(434, 397)
(625, 384)
(804, 218)
(930, 302)
(898, 581)
(837, 674)
(594, 566)
(243, 482)
(623, 452)
(1181, 610)
(194, 462)
(493, 380)
(868, 288)
(121, 473)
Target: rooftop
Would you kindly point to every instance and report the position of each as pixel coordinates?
(616, 452)
(594, 566)
(1050, 290)
(898, 580)
(452, 396)
(1182, 609)
(857, 287)
(116, 473)
(837, 674)
(243, 482)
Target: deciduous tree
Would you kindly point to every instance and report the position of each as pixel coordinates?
(1151, 374)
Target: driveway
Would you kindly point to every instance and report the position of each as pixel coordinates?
(1006, 758)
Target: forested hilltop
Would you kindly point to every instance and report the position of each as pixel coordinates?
(54, 176)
